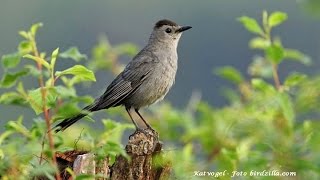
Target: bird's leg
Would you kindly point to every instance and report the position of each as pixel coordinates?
(145, 122)
(136, 125)
(134, 122)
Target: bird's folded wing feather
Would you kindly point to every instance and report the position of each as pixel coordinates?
(125, 83)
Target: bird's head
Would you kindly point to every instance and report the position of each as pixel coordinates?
(168, 31)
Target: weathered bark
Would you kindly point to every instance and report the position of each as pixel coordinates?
(142, 148)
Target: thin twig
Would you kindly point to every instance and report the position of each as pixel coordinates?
(276, 76)
(42, 147)
(77, 140)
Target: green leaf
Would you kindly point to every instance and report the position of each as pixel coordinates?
(73, 53)
(12, 98)
(80, 72)
(54, 58)
(187, 152)
(287, 107)
(277, 18)
(24, 34)
(70, 171)
(38, 60)
(65, 92)
(10, 79)
(296, 55)
(262, 85)
(25, 47)
(20, 89)
(259, 43)
(4, 136)
(43, 55)
(36, 102)
(77, 79)
(18, 127)
(275, 53)
(295, 79)
(230, 74)
(251, 25)
(85, 177)
(265, 18)
(49, 81)
(34, 28)
(67, 110)
(10, 60)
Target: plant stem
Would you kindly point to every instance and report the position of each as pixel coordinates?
(36, 53)
(276, 76)
(267, 36)
(45, 110)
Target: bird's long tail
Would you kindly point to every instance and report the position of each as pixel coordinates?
(69, 121)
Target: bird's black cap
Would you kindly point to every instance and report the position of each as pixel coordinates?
(165, 22)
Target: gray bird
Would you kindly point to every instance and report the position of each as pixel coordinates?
(145, 80)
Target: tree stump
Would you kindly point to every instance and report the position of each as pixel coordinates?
(142, 148)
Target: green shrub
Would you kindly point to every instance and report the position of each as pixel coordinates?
(266, 127)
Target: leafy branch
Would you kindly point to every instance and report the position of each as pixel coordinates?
(274, 52)
(46, 96)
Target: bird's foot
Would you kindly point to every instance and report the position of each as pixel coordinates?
(147, 132)
(154, 132)
(144, 142)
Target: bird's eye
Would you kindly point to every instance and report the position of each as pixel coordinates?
(168, 30)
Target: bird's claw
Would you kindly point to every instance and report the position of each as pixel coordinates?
(147, 132)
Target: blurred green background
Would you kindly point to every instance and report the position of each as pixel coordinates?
(234, 122)
(216, 39)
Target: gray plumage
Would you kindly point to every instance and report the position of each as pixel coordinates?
(146, 79)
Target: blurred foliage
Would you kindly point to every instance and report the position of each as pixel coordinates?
(265, 127)
(311, 6)
(28, 152)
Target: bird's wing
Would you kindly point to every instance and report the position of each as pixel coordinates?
(125, 83)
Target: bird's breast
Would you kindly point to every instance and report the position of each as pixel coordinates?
(157, 85)
(163, 79)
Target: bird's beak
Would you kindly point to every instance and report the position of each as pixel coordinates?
(183, 28)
